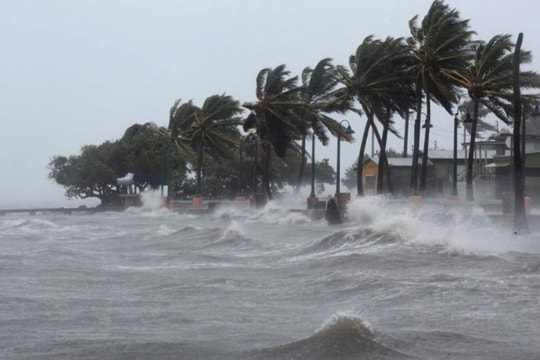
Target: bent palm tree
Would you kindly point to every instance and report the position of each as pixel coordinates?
(488, 81)
(437, 46)
(321, 98)
(181, 117)
(276, 116)
(215, 129)
(379, 80)
(214, 126)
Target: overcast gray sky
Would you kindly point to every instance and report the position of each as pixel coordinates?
(77, 72)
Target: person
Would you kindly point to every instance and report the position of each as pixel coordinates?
(333, 213)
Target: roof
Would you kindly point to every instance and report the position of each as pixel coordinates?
(402, 162)
(397, 161)
(446, 154)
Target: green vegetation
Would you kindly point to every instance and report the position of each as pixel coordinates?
(203, 150)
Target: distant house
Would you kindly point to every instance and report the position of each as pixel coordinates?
(503, 161)
(400, 175)
(443, 161)
(440, 171)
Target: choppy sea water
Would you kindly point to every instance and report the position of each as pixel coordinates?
(391, 283)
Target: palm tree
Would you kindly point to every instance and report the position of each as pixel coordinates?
(213, 127)
(378, 79)
(276, 116)
(488, 81)
(437, 46)
(215, 130)
(321, 97)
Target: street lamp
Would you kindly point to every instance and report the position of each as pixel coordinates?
(312, 194)
(456, 124)
(241, 171)
(254, 187)
(535, 114)
(348, 131)
(427, 126)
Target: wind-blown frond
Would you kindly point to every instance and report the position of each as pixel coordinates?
(182, 117)
(438, 46)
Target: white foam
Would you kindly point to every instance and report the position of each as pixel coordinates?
(468, 232)
(165, 230)
(349, 314)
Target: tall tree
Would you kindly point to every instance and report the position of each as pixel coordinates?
(213, 127)
(321, 97)
(379, 80)
(437, 46)
(520, 218)
(276, 116)
(489, 81)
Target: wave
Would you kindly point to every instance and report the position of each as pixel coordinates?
(273, 213)
(343, 338)
(28, 224)
(232, 238)
(351, 237)
(456, 230)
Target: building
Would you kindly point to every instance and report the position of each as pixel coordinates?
(400, 175)
(531, 164)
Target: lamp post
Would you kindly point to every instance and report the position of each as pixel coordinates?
(348, 131)
(523, 156)
(161, 180)
(423, 175)
(416, 145)
(312, 199)
(456, 124)
(199, 166)
(241, 172)
(254, 187)
(535, 115)
(312, 194)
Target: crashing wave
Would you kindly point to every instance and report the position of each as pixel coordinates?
(343, 338)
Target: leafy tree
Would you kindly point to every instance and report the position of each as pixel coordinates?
(91, 174)
(94, 172)
(437, 47)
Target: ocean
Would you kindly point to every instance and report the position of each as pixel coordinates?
(392, 282)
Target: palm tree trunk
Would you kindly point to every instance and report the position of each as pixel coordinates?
(423, 173)
(266, 171)
(302, 166)
(360, 162)
(406, 135)
(199, 167)
(520, 217)
(416, 145)
(382, 159)
(470, 158)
